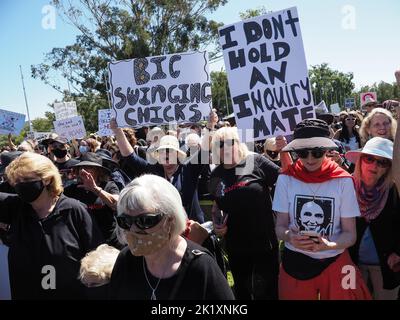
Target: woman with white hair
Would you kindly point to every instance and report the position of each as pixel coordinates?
(377, 177)
(158, 263)
(378, 123)
(171, 165)
(240, 186)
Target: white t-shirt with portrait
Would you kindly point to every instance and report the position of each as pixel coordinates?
(316, 207)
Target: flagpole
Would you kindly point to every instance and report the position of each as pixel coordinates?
(26, 101)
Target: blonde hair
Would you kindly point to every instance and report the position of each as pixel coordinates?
(388, 181)
(366, 123)
(227, 133)
(97, 266)
(30, 163)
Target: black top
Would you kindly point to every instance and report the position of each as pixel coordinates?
(247, 200)
(197, 278)
(60, 240)
(66, 165)
(386, 235)
(185, 180)
(100, 212)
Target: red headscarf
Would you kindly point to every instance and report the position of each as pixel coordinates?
(328, 170)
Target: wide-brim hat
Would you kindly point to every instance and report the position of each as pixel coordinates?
(91, 159)
(309, 134)
(52, 136)
(107, 160)
(170, 142)
(377, 146)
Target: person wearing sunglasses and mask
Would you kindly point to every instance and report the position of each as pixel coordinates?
(240, 187)
(49, 232)
(377, 249)
(158, 263)
(316, 207)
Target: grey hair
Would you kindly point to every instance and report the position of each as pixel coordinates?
(151, 193)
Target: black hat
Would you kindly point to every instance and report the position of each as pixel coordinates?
(50, 139)
(327, 117)
(91, 159)
(311, 133)
(108, 162)
(6, 158)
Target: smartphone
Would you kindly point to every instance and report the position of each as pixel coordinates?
(314, 236)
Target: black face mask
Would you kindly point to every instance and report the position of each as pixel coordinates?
(29, 191)
(60, 153)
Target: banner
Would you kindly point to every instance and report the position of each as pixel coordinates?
(349, 103)
(11, 122)
(159, 90)
(367, 96)
(65, 110)
(267, 73)
(5, 292)
(70, 128)
(39, 136)
(105, 116)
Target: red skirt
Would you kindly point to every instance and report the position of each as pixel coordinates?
(340, 281)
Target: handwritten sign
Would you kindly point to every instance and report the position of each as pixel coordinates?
(105, 116)
(159, 90)
(267, 73)
(65, 110)
(11, 122)
(70, 128)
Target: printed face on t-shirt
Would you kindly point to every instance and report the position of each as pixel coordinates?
(312, 216)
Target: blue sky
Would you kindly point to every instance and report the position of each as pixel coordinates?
(371, 50)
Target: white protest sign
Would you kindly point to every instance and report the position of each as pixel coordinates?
(70, 128)
(11, 122)
(105, 116)
(65, 110)
(335, 108)
(267, 73)
(158, 90)
(39, 136)
(321, 107)
(5, 292)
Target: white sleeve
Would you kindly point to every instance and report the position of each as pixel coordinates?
(348, 200)
(281, 201)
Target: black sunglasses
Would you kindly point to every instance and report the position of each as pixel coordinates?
(228, 143)
(143, 221)
(315, 152)
(272, 154)
(382, 163)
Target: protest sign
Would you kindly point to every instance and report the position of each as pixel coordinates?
(5, 292)
(267, 73)
(65, 110)
(335, 108)
(367, 96)
(105, 116)
(349, 103)
(39, 136)
(70, 128)
(158, 90)
(11, 122)
(321, 107)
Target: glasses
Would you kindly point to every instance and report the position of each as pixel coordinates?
(228, 143)
(316, 153)
(382, 163)
(272, 154)
(143, 221)
(350, 119)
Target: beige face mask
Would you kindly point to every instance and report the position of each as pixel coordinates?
(149, 243)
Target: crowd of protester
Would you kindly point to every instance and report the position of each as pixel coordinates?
(120, 217)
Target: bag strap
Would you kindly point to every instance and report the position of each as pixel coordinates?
(189, 256)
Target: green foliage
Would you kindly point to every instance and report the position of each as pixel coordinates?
(330, 85)
(384, 91)
(251, 13)
(221, 97)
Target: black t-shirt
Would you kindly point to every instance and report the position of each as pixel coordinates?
(102, 213)
(60, 240)
(245, 197)
(197, 278)
(66, 165)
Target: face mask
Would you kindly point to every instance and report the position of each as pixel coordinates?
(149, 243)
(29, 191)
(60, 153)
(83, 149)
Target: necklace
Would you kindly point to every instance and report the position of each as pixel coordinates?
(153, 290)
(314, 192)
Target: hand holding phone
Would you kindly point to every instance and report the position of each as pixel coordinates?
(313, 235)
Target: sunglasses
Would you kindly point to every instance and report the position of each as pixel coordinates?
(382, 163)
(272, 154)
(143, 221)
(350, 119)
(228, 143)
(316, 153)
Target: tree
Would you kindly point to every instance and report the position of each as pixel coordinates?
(122, 29)
(221, 97)
(251, 13)
(330, 85)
